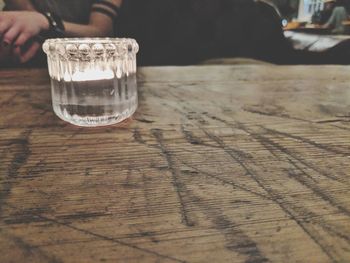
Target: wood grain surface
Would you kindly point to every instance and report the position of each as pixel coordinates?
(219, 164)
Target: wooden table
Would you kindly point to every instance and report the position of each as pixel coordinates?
(220, 164)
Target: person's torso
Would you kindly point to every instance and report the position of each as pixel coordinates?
(76, 11)
(340, 15)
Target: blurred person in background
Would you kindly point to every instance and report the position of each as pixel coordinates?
(338, 16)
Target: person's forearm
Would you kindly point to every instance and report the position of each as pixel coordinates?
(78, 30)
(99, 26)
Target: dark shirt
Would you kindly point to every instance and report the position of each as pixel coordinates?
(189, 31)
(76, 11)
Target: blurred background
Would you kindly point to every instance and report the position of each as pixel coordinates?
(288, 8)
(277, 31)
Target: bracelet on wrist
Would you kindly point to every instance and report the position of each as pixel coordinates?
(56, 26)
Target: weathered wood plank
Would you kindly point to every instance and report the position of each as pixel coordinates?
(219, 164)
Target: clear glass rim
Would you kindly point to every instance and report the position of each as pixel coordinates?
(95, 46)
(89, 40)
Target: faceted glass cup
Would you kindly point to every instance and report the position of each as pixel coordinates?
(93, 80)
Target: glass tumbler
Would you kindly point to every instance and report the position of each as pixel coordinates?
(93, 80)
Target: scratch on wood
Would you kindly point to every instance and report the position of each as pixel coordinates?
(138, 137)
(144, 120)
(30, 250)
(308, 141)
(316, 219)
(281, 204)
(236, 239)
(332, 121)
(272, 114)
(17, 162)
(82, 216)
(285, 151)
(301, 180)
(230, 183)
(145, 189)
(9, 100)
(265, 141)
(38, 216)
(111, 239)
(190, 137)
(158, 134)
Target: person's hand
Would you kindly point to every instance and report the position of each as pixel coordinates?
(24, 54)
(17, 28)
